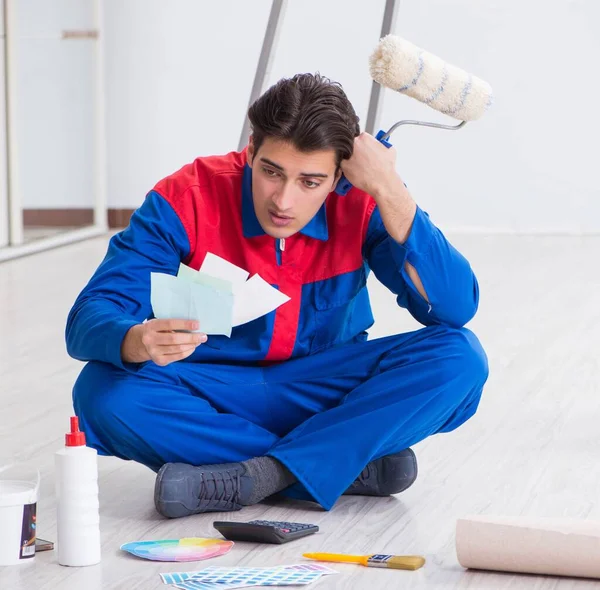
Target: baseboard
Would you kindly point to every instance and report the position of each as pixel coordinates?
(550, 232)
(119, 218)
(73, 217)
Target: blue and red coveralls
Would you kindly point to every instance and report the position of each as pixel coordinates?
(301, 384)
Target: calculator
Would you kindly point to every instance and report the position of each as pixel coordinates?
(264, 531)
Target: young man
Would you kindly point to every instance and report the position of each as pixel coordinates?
(297, 401)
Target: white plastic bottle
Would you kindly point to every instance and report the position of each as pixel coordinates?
(78, 518)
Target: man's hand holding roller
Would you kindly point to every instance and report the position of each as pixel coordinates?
(372, 168)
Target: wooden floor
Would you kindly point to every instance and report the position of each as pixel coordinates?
(532, 449)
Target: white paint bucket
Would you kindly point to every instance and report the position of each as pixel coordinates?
(18, 503)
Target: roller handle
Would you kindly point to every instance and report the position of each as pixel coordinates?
(344, 185)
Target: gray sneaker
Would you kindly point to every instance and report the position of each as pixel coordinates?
(388, 475)
(182, 489)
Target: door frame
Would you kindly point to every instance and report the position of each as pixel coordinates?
(16, 246)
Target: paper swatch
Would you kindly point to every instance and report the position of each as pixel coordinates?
(254, 299)
(218, 267)
(186, 549)
(189, 274)
(218, 296)
(174, 298)
(240, 577)
(177, 577)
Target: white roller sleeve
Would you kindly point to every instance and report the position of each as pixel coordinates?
(401, 66)
(557, 547)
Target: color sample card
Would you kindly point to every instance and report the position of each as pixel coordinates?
(187, 549)
(194, 585)
(218, 267)
(173, 298)
(225, 578)
(254, 299)
(218, 296)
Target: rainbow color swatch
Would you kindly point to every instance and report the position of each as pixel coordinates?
(187, 549)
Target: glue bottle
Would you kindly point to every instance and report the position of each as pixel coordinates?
(77, 519)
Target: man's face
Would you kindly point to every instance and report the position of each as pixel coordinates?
(289, 186)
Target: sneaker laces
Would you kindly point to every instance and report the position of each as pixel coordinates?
(220, 491)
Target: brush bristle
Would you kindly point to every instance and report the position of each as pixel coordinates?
(401, 66)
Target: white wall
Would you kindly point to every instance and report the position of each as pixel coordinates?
(339, 44)
(178, 79)
(3, 178)
(531, 163)
(54, 126)
(179, 75)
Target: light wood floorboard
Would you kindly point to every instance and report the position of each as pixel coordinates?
(532, 449)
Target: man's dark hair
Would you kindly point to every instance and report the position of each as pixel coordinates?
(310, 111)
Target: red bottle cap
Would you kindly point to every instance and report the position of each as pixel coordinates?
(75, 438)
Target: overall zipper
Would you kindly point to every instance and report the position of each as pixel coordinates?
(279, 248)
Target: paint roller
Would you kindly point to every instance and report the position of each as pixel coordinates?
(401, 66)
